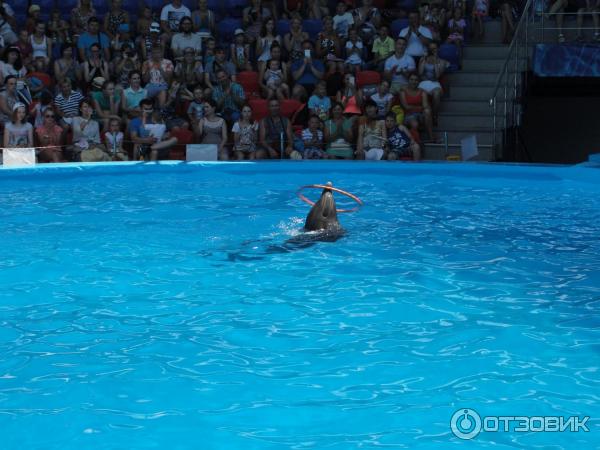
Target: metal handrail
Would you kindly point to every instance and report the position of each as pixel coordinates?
(502, 78)
(518, 50)
(512, 45)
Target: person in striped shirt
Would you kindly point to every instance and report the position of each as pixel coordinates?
(67, 101)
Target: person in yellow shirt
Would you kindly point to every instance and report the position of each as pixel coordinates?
(383, 47)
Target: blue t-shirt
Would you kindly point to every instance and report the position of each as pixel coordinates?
(308, 78)
(86, 40)
(320, 105)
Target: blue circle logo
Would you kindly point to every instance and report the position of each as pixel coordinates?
(465, 423)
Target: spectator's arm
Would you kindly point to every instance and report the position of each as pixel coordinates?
(262, 137)
(388, 73)
(246, 17)
(290, 138)
(99, 111)
(124, 107)
(421, 68)
(81, 52)
(287, 42)
(207, 80)
(140, 140)
(146, 72)
(425, 40)
(359, 141)
(200, 128)
(107, 27)
(376, 19)
(403, 102)
(223, 136)
(408, 133)
(349, 135)
(296, 74)
(30, 137)
(425, 102)
(105, 71)
(316, 72)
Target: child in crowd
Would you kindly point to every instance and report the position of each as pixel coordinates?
(240, 52)
(401, 143)
(114, 141)
(143, 23)
(195, 110)
(273, 81)
(456, 30)
(383, 99)
(38, 107)
(312, 137)
(383, 47)
(319, 104)
(58, 29)
(245, 135)
(343, 20)
(18, 132)
(480, 10)
(354, 51)
(209, 51)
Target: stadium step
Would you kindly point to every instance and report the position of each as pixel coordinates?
(492, 35)
(485, 52)
(454, 121)
(466, 107)
(441, 152)
(475, 93)
(473, 78)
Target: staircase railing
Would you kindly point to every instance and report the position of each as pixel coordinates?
(512, 78)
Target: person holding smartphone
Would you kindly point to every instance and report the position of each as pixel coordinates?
(308, 71)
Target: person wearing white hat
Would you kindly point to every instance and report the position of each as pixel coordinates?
(18, 132)
(240, 51)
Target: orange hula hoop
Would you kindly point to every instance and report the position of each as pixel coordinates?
(322, 186)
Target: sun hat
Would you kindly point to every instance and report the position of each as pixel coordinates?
(34, 8)
(238, 32)
(154, 27)
(18, 105)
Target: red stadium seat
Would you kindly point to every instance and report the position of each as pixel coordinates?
(289, 107)
(260, 108)
(249, 81)
(367, 77)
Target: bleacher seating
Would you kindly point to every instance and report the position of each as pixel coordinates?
(250, 83)
(227, 27)
(450, 53)
(312, 27)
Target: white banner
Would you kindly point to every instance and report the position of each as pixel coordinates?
(12, 157)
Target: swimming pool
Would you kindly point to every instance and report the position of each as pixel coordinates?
(159, 306)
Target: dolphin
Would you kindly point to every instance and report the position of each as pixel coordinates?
(323, 214)
(321, 226)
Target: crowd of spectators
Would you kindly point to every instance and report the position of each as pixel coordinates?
(298, 79)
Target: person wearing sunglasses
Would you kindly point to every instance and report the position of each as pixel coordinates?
(49, 138)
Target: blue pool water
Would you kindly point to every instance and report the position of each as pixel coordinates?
(159, 306)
